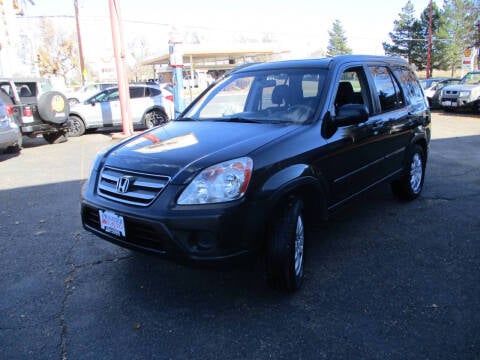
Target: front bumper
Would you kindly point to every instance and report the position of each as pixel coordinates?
(457, 102)
(217, 234)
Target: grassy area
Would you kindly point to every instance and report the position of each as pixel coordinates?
(441, 73)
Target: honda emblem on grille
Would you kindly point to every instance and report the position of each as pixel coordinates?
(123, 183)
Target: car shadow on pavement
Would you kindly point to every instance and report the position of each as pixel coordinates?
(9, 155)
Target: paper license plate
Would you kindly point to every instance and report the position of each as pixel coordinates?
(112, 223)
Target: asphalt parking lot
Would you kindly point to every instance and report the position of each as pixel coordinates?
(384, 279)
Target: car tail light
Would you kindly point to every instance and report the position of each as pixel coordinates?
(9, 110)
(27, 111)
(169, 97)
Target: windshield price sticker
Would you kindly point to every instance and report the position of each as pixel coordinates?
(112, 223)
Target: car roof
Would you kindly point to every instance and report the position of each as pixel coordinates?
(324, 63)
(23, 79)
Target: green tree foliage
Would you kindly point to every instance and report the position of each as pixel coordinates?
(461, 17)
(337, 43)
(453, 30)
(58, 53)
(439, 39)
(404, 35)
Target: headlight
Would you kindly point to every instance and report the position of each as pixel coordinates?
(464, 94)
(222, 182)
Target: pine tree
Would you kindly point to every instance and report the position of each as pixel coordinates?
(439, 40)
(405, 31)
(337, 44)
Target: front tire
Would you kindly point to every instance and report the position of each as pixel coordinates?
(285, 247)
(410, 185)
(76, 127)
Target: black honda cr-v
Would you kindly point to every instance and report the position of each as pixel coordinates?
(257, 157)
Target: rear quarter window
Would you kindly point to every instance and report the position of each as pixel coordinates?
(411, 85)
(26, 89)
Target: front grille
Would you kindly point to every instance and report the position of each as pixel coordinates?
(130, 187)
(451, 92)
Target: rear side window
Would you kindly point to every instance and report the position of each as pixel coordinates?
(387, 89)
(26, 89)
(411, 85)
(136, 92)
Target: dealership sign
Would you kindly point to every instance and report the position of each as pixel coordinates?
(468, 60)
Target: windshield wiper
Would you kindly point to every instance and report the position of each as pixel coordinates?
(240, 120)
(186, 119)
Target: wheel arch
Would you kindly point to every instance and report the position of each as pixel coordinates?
(152, 108)
(422, 141)
(78, 115)
(297, 181)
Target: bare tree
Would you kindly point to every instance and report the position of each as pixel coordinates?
(58, 53)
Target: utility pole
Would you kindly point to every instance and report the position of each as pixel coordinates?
(120, 59)
(176, 62)
(80, 48)
(429, 46)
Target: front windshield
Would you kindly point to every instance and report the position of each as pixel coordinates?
(279, 96)
(471, 78)
(106, 95)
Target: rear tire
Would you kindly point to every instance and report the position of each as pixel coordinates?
(285, 247)
(155, 118)
(410, 185)
(73, 101)
(15, 148)
(56, 137)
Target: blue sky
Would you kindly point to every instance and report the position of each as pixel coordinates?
(295, 24)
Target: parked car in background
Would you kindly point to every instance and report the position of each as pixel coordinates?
(428, 83)
(87, 91)
(464, 95)
(149, 104)
(10, 135)
(37, 109)
(433, 95)
(261, 156)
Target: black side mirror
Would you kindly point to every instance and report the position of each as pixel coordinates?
(350, 114)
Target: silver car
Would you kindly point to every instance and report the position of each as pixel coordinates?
(10, 135)
(150, 106)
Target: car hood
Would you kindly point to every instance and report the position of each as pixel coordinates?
(191, 146)
(460, 87)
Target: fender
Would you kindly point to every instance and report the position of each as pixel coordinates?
(292, 179)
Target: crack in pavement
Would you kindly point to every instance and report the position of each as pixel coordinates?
(68, 287)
